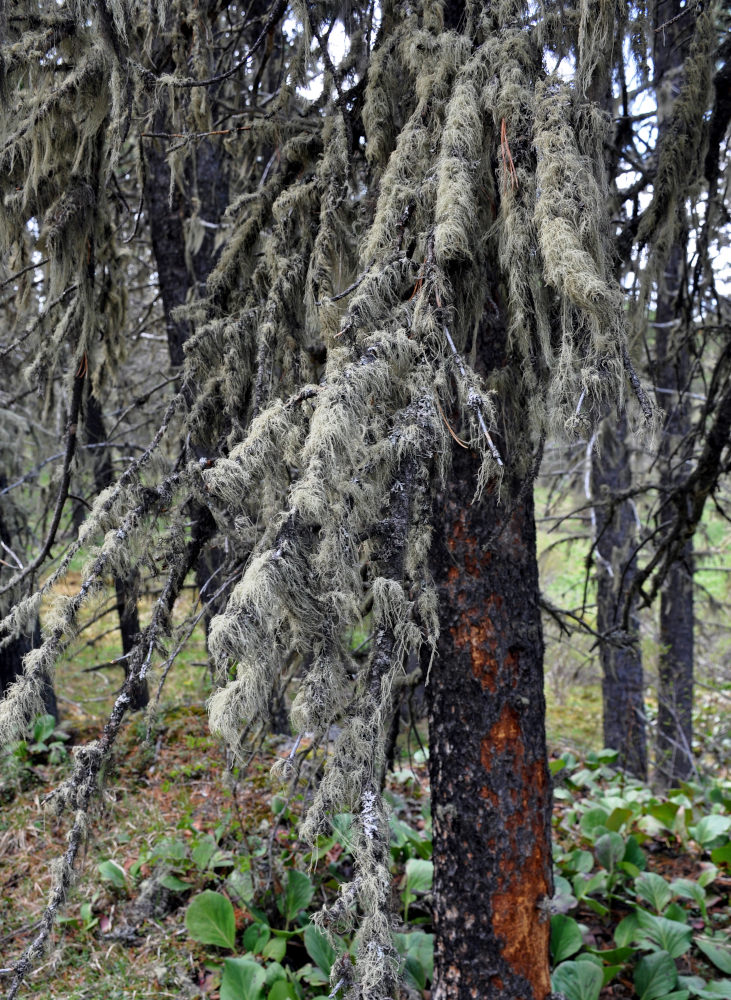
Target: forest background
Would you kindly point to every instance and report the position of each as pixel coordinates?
(311, 317)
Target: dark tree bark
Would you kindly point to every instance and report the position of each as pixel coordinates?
(674, 756)
(11, 655)
(490, 784)
(489, 777)
(125, 587)
(620, 655)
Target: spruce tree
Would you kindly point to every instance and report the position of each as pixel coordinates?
(413, 285)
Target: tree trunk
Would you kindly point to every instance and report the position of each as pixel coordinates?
(490, 786)
(619, 652)
(125, 587)
(674, 757)
(11, 655)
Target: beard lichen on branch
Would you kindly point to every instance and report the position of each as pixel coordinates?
(363, 236)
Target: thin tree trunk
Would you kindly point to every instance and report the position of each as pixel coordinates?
(11, 655)
(621, 659)
(674, 758)
(125, 587)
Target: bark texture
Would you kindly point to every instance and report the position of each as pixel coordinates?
(674, 754)
(620, 655)
(489, 776)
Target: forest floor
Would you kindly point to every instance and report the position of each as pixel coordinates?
(175, 823)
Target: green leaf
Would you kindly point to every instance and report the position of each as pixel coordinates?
(655, 976)
(300, 891)
(617, 818)
(255, 937)
(578, 980)
(694, 984)
(688, 889)
(718, 954)
(419, 947)
(319, 949)
(170, 849)
(612, 955)
(242, 979)
(707, 876)
(592, 819)
(554, 766)
(566, 938)
(668, 935)
(609, 850)
(419, 875)
(203, 852)
(654, 890)
(114, 873)
(210, 920)
(710, 827)
(626, 930)
(664, 813)
(275, 948)
(721, 855)
(43, 728)
(175, 884)
(633, 854)
(282, 990)
(718, 988)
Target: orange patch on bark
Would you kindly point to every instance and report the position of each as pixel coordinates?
(517, 919)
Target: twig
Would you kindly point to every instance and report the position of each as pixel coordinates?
(65, 480)
(18, 274)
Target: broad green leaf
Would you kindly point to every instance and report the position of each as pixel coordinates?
(578, 980)
(203, 852)
(114, 873)
(584, 886)
(319, 949)
(592, 819)
(717, 988)
(414, 973)
(688, 889)
(242, 979)
(170, 849)
(175, 884)
(719, 955)
(654, 890)
(43, 728)
(274, 971)
(282, 990)
(609, 850)
(609, 972)
(555, 766)
(255, 937)
(710, 827)
(566, 938)
(240, 886)
(298, 896)
(420, 947)
(419, 875)
(668, 935)
(275, 948)
(612, 955)
(655, 976)
(626, 930)
(664, 813)
(694, 984)
(707, 876)
(210, 920)
(618, 817)
(721, 855)
(633, 854)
